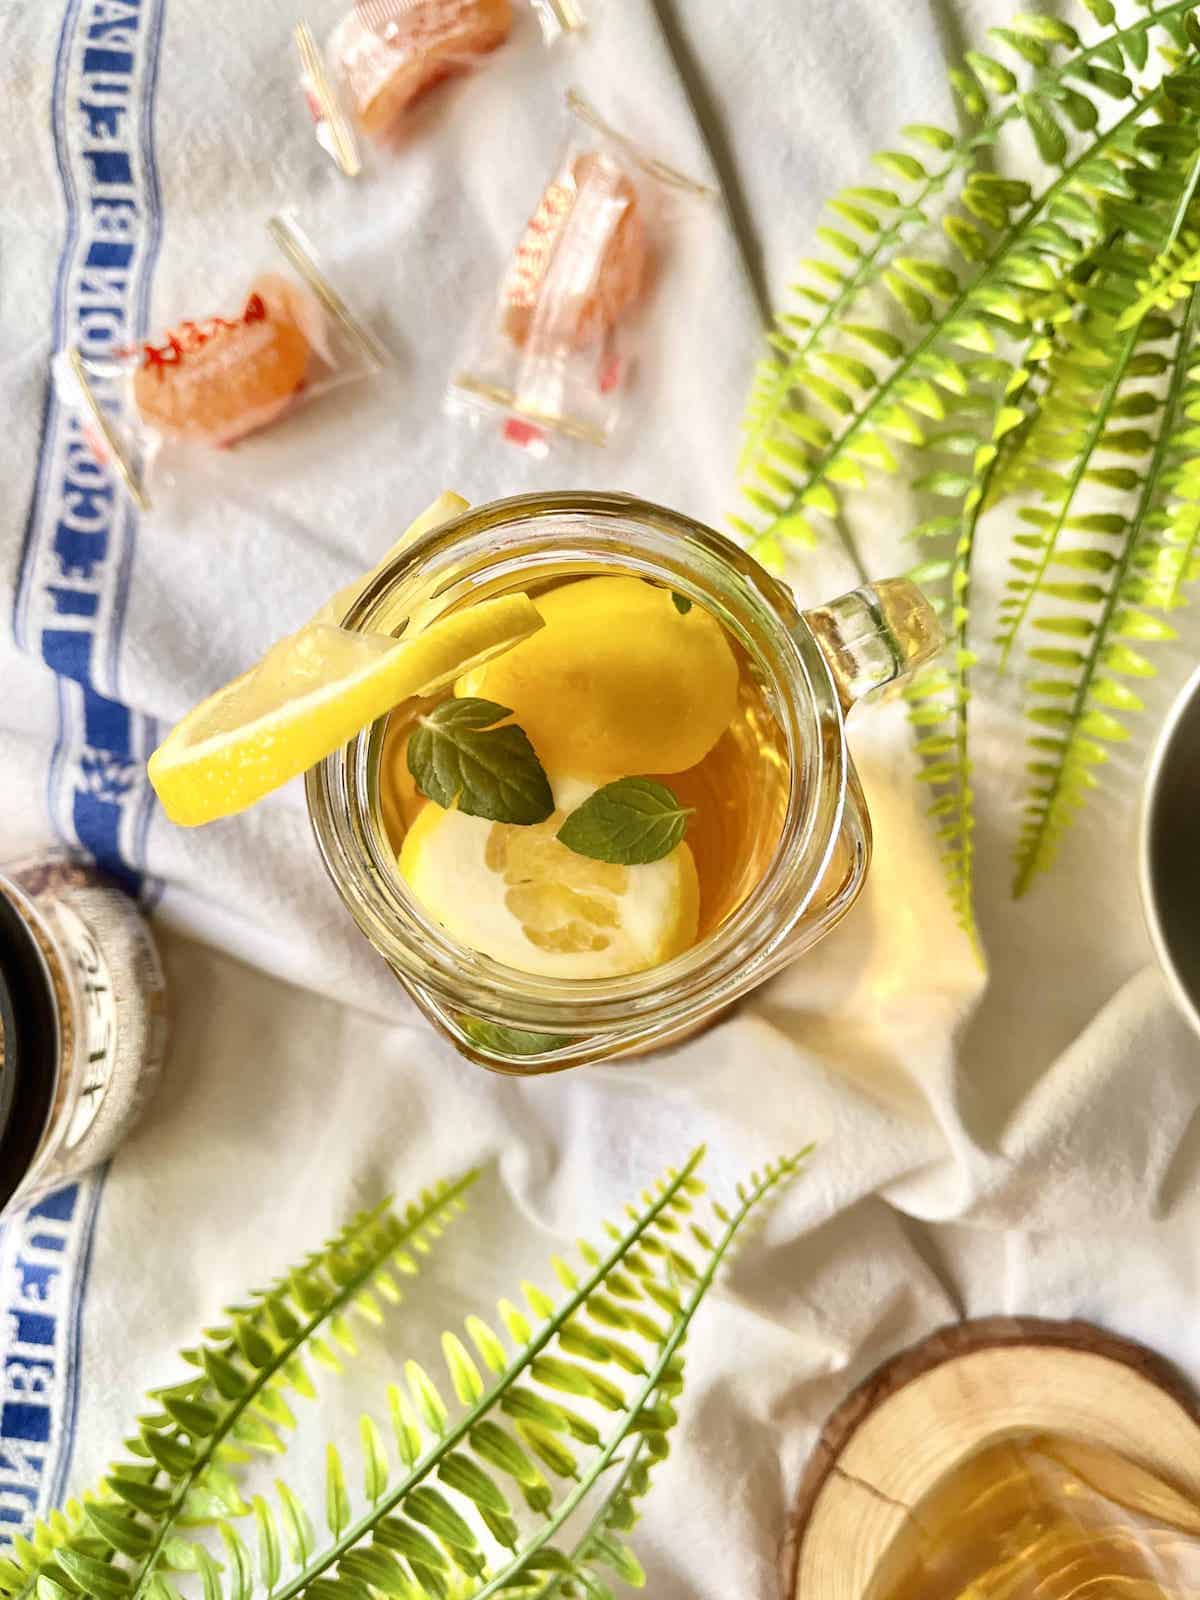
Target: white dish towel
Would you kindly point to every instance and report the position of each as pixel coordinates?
(1024, 1145)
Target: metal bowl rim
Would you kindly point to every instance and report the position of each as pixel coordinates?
(1188, 1003)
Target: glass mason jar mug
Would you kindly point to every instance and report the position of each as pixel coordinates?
(806, 667)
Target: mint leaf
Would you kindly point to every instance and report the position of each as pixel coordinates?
(682, 604)
(509, 1041)
(628, 823)
(456, 753)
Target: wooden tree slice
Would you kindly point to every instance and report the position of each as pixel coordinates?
(932, 1407)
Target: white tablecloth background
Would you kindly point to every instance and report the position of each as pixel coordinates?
(1025, 1145)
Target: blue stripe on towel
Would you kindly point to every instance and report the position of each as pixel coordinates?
(90, 1207)
(72, 597)
(44, 1258)
(50, 405)
(82, 532)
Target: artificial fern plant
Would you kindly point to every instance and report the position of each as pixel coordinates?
(525, 1482)
(1021, 344)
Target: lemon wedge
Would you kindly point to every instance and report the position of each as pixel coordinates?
(316, 689)
(518, 895)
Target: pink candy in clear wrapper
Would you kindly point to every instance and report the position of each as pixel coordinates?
(387, 53)
(583, 261)
(558, 351)
(215, 380)
(218, 380)
(384, 55)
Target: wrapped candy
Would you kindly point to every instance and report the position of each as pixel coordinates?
(583, 262)
(215, 380)
(558, 349)
(386, 54)
(390, 52)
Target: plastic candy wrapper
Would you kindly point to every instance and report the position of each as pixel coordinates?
(560, 16)
(286, 337)
(557, 354)
(383, 55)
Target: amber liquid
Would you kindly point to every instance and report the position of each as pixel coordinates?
(739, 791)
(1045, 1518)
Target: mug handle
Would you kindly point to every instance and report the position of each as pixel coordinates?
(876, 635)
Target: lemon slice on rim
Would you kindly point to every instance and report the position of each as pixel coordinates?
(316, 689)
(518, 895)
(308, 695)
(444, 509)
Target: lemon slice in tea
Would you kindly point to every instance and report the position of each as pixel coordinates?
(518, 895)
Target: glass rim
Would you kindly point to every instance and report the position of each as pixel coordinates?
(700, 563)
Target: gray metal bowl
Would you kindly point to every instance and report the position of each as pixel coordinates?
(1169, 849)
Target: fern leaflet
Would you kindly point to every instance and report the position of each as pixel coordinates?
(1171, 278)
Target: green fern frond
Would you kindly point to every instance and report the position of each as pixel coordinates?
(1055, 304)
(1058, 403)
(602, 1544)
(492, 1472)
(1095, 430)
(939, 699)
(812, 430)
(1067, 373)
(1077, 709)
(186, 1453)
(1038, 367)
(1049, 367)
(1013, 295)
(1078, 430)
(880, 219)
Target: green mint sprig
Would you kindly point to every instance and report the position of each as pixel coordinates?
(465, 753)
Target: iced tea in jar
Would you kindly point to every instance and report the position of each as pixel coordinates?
(597, 841)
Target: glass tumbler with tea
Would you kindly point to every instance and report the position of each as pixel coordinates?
(596, 842)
